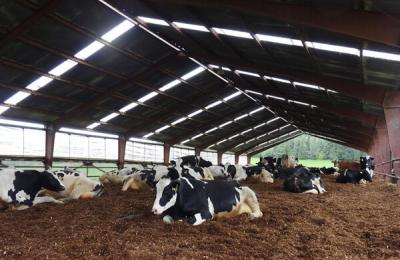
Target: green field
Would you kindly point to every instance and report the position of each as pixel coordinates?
(308, 163)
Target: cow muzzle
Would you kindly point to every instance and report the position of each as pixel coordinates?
(155, 211)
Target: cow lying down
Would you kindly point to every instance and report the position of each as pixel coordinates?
(239, 173)
(117, 176)
(20, 188)
(196, 201)
(304, 181)
(77, 186)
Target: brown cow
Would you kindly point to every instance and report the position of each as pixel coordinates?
(347, 164)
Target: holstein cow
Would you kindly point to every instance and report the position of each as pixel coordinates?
(239, 173)
(148, 178)
(367, 163)
(196, 201)
(217, 171)
(193, 167)
(117, 176)
(328, 171)
(20, 188)
(358, 176)
(77, 186)
(304, 181)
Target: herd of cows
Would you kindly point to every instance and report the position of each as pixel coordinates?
(189, 189)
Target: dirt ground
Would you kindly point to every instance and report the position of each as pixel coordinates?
(348, 222)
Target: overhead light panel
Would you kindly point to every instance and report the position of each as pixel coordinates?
(128, 107)
(189, 26)
(193, 73)
(248, 73)
(197, 136)
(381, 55)
(225, 124)
(153, 20)
(162, 128)
(89, 50)
(17, 97)
(109, 117)
(333, 48)
(306, 85)
(232, 96)
(63, 67)
(253, 92)
(211, 130)
(3, 109)
(85, 132)
(117, 31)
(214, 104)
(275, 97)
(179, 120)
(280, 40)
(148, 135)
(195, 113)
(184, 142)
(20, 123)
(93, 125)
(234, 33)
(170, 85)
(39, 83)
(240, 117)
(256, 110)
(147, 97)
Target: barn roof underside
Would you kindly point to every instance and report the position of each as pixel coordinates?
(201, 86)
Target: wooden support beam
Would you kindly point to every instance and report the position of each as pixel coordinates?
(219, 157)
(121, 151)
(237, 158)
(197, 151)
(167, 149)
(49, 148)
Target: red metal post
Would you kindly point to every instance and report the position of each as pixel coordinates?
(121, 152)
(50, 136)
(167, 149)
(219, 158)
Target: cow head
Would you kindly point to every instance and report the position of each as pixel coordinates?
(166, 195)
(367, 163)
(50, 182)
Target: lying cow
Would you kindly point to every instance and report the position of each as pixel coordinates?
(20, 188)
(239, 173)
(351, 176)
(304, 181)
(328, 171)
(148, 178)
(194, 161)
(117, 176)
(196, 201)
(186, 167)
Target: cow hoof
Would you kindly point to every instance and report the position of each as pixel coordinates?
(59, 202)
(256, 215)
(168, 219)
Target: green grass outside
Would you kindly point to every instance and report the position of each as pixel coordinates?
(308, 163)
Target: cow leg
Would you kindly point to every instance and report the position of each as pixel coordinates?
(127, 184)
(167, 219)
(312, 191)
(20, 207)
(250, 199)
(196, 219)
(46, 199)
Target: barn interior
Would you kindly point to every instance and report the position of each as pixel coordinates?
(220, 79)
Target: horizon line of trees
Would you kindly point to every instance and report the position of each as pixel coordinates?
(313, 148)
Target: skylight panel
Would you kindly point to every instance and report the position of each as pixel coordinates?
(260, 125)
(109, 117)
(306, 85)
(148, 135)
(89, 50)
(240, 117)
(85, 132)
(226, 68)
(17, 97)
(195, 113)
(170, 85)
(147, 97)
(273, 131)
(282, 127)
(332, 91)
(298, 102)
(214, 104)
(256, 110)
(280, 40)
(117, 31)
(211, 130)
(225, 124)
(3, 109)
(213, 66)
(93, 125)
(275, 97)
(189, 26)
(197, 136)
(279, 79)
(248, 73)
(233, 136)
(222, 141)
(381, 55)
(250, 140)
(333, 48)
(162, 128)
(63, 67)
(239, 144)
(273, 120)
(21, 123)
(128, 107)
(260, 136)
(179, 120)
(234, 33)
(39, 83)
(153, 20)
(184, 142)
(253, 92)
(193, 73)
(232, 96)
(246, 131)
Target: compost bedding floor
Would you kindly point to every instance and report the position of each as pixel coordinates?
(347, 222)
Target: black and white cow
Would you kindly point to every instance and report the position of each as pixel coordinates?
(148, 178)
(20, 188)
(196, 201)
(193, 167)
(218, 171)
(240, 173)
(367, 163)
(328, 171)
(194, 161)
(117, 176)
(304, 181)
(364, 175)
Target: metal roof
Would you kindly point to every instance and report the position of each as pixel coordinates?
(137, 83)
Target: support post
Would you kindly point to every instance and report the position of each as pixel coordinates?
(248, 159)
(50, 136)
(391, 106)
(167, 148)
(219, 158)
(121, 152)
(237, 158)
(197, 151)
